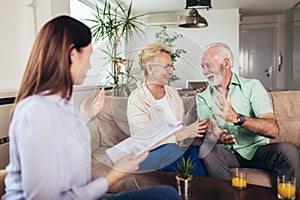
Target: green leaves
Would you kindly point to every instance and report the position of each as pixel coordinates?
(185, 167)
(114, 23)
(164, 37)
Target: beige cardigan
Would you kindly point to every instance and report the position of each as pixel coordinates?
(143, 110)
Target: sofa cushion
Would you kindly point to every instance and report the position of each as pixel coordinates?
(101, 165)
(286, 106)
(112, 121)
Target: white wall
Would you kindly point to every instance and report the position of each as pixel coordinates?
(223, 26)
(17, 35)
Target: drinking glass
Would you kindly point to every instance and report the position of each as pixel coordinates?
(239, 178)
(286, 187)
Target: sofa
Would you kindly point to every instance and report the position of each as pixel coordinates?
(110, 127)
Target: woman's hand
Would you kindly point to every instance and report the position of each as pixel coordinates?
(89, 111)
(203, 126)
(124, 167)
(197, 129)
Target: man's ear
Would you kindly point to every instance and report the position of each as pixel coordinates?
(226, 63)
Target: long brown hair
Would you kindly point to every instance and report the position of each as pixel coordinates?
(48, 67)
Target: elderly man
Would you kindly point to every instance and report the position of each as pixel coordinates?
(240, 111)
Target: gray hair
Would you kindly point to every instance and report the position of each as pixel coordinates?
(223, 49)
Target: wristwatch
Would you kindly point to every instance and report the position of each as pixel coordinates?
(240, 120)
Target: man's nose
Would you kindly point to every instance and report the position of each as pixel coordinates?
(205, 70)
(170, 70)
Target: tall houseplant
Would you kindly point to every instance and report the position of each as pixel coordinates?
(115, 24)
(164, 37)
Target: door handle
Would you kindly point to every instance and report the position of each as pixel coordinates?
(268, 71)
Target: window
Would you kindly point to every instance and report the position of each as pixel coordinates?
(82, 10)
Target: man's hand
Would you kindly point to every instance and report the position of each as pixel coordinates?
(199, 90)
(225, 106)
(227, 139)
(264, 124)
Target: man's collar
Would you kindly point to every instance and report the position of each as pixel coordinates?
(234, 79)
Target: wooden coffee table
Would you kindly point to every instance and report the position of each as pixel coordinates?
(206, 188)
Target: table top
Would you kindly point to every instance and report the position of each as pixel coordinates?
(207, 188)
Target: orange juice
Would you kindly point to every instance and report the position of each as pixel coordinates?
(286, 190)
(239, 182)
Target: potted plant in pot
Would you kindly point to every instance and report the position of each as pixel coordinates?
(184, 178)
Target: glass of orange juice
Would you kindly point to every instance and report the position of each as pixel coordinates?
(239, 178)
(286, 187)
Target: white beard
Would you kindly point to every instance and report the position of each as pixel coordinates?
(217, 80)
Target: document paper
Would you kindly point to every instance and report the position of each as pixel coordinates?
(144, 140)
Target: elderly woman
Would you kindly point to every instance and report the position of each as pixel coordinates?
(154, 100)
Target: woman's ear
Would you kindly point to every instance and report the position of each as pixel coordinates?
(73, 54)
(149, 69)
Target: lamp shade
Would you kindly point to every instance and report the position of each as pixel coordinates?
(193, 20)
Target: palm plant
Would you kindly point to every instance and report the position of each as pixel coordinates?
(114, 24)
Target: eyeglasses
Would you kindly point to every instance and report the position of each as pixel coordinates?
(166, 67)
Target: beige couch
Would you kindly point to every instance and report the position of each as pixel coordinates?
(111, 127)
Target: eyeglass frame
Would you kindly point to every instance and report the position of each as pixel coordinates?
(166, 67)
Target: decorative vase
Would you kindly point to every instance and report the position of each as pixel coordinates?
(184, 185)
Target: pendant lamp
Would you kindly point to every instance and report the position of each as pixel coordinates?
(194, 19)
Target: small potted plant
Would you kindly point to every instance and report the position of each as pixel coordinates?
(184, 168)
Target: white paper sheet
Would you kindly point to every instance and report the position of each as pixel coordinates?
(144, 140)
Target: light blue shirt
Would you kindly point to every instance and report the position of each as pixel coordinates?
(248, 97)
(50, 152)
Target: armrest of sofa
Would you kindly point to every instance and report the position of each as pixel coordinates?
(285, 105)
(3, 173)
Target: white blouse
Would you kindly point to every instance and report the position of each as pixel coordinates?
(50, 152)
